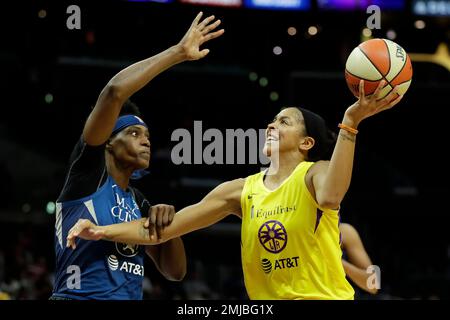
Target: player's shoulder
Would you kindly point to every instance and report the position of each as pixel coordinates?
(232, 193)
(319, 166)
(233, 185)
(345, 226)
(238, 181)
(230, 190)
(348, 231)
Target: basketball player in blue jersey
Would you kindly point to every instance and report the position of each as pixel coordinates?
(114, 148)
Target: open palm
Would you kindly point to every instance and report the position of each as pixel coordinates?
(198, 34)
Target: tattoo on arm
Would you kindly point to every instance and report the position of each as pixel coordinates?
(143, 232)
(347, 136)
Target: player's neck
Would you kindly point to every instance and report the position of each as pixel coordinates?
(281, 168)
(120, 175)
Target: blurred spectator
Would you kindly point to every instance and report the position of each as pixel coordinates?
(4, 296)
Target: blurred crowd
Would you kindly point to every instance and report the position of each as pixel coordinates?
(27, 272)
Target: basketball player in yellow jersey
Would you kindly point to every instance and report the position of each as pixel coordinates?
(290, 234)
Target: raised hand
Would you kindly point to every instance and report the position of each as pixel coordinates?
(83, 229)
(198, 34)
(368, 106)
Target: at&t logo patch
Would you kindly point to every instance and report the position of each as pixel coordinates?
(266, 265)
(125, 266)
(279, 264)
(113, 262)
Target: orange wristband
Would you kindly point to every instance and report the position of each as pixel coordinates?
(347, 128)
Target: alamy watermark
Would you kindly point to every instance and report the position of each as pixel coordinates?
(374, 280)
(74, 19)
(230, 146)
(374, 21)
(74, 279)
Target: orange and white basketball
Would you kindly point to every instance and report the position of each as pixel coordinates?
(375, 60)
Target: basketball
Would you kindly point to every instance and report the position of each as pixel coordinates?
(375, 60)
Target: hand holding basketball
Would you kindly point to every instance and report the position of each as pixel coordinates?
(376, 60)
(367, 106)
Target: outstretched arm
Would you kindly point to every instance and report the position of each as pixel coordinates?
(331, 180)
(359, 260)
(100, 122)
(225, 199)
(170, 258)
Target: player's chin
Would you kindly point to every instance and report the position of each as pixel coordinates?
(143, 163)
(267, 150)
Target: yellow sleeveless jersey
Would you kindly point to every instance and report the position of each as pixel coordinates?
(290, 246)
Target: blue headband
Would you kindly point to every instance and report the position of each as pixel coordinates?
(126, 121)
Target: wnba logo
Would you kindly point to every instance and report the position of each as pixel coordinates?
(266, 265)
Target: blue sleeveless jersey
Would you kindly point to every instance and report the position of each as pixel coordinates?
(98, 269)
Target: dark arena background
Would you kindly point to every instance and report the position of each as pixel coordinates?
(285, 54)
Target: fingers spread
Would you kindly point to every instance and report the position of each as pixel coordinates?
(376, 94)
(389, 98)
(361, 90)
(211, 27)
(393, 102)
(213, 35)
(197, 18)
(205, 22)
(203, 53)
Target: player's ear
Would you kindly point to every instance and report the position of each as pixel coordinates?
(109, 145)
(307, 143)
